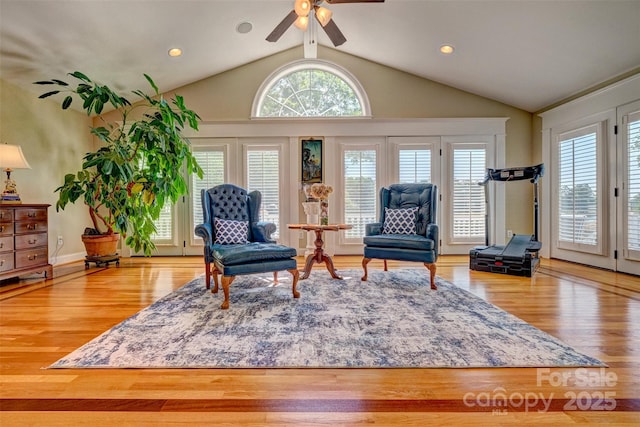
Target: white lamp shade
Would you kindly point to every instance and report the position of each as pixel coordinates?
(302, 22)
(11, 157)
(302, 7)
(324, 15)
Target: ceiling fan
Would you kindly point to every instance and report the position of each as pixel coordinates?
(299, 16)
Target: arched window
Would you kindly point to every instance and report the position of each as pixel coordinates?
(311, 88)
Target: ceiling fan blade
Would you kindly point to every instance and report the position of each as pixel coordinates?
(353, 1)
(334, 33)
(282, 27)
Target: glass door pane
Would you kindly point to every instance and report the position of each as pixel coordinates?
(468, 199)
(360, 190)
(578, 216)
(414, 165)
(263, 174)
(632, 193)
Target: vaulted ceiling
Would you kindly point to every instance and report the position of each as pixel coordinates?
(528, 54)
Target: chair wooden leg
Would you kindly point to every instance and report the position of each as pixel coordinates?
(365, 261)
(296, 274)
(226, 283)
(275, 277)
(207, 268)
(385, 265)
(432, 271)
(215, 280)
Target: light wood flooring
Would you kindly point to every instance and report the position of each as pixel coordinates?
(595, 311)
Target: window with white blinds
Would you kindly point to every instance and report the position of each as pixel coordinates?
(414, 166)
(578, 214)
(633, 183)
(263, 174)
(164, 225)
(468, 200)
(212, 162)
(360, 190)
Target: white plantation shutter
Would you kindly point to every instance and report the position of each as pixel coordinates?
(164, 225)
(212, 163)
(578, 220)
(468, 201)
(414, 166)
(263, 174)
(360, 192)
(633, 186)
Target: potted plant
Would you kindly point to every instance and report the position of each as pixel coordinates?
(138, 167)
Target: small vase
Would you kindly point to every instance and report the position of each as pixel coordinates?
(312, 210)
(324, 212)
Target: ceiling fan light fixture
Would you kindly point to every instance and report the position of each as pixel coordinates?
(302, 22)
(302, 7)
(324, 15)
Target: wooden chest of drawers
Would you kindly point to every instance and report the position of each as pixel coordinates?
(24, 242)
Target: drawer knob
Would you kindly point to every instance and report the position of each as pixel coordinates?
(31, 242)
(32, 226)
(31, 214)
(33, 257)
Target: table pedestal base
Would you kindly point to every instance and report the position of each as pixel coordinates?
(319, 256)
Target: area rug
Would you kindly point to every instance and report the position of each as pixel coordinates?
(394, 320)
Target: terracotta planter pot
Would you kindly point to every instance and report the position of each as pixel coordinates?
(101, 244)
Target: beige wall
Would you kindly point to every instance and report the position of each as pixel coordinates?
(53, 141)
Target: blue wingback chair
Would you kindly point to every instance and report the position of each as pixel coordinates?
(407, 230)
(236, 242)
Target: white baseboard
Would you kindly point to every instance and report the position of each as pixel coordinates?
(65, 259)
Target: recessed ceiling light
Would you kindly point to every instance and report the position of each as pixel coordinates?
(447, 49)
(244, 27)
(176, 51)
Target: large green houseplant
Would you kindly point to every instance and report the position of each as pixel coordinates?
(138, 166)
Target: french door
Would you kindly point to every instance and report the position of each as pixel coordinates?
(253, 164)
(456, 164)
(596, 190)
(175, 228)
(628, 201)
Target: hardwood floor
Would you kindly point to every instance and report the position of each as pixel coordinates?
(595, 311)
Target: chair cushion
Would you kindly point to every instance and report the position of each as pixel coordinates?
(230, 232)
(250, 252)
(402, 241)
(400, 254)
(399, 221)
(257, 267)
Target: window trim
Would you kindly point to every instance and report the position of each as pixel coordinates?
(306, 64)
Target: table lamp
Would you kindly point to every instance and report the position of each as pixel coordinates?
(11, 157)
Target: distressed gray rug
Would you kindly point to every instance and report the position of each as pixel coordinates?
(394, 320)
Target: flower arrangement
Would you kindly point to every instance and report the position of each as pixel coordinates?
(320, 191)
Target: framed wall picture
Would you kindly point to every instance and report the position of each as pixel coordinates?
(311, 160)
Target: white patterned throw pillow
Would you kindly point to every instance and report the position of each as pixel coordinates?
(230, 232)
(399, 221)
